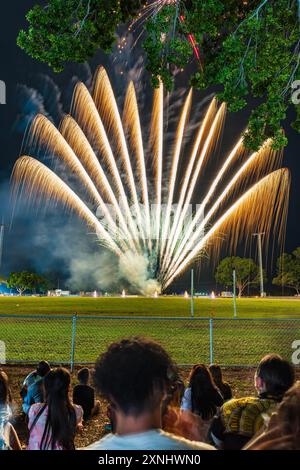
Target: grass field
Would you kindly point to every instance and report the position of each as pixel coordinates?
(235, 342)
(163, 306)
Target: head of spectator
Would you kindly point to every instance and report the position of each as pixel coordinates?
(205, 396)
(135, 376)
(43, 368)
(274, 376)
(83, 376)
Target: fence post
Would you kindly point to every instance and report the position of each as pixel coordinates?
(211, 343)
(74, 321)
(234, 292)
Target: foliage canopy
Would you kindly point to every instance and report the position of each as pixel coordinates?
(248, 49)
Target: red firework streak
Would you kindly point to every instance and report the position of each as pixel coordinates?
(192, 40)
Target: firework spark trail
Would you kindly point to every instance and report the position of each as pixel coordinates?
(217, 123)
(37, 179)
(199, 213)
(78, 141)
(84, 148)
(200, 136)
(264, 154)
(174, 167)
(272, 189)
(131, 120)
(193, 174)
(41, 126)
(156, 138)
(59, 147)
(86, 114)
(107, 106)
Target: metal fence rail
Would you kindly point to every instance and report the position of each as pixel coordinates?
(79, 339)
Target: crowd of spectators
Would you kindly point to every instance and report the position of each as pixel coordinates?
(149, 407)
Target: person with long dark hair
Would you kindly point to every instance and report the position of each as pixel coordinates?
(202, 397)
(53, 424)
(8, 436)
(224, 387)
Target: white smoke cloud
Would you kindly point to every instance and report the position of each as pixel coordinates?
(135, 269)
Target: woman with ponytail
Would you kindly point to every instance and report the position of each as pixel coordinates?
(53, 424)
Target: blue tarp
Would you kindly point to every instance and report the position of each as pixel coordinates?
(4, 289)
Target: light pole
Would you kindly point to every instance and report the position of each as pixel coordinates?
(260, 260)
(192, 293)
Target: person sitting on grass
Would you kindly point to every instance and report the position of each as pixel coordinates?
(8, 436)
(32, 390)
(283, 429)
(224, 387)
(84, 395)
(134, 376)
(52, 425)
(240, 419)
(202, 396)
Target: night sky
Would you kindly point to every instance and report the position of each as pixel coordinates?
(27, 242)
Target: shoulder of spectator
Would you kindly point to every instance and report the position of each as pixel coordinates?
(233, 403)
(35, 408)
(188, 444)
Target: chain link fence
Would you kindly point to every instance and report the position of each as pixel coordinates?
(80, 339)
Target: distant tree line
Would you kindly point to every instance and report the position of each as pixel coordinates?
(26, 281)
(247, 275)
(247, 272)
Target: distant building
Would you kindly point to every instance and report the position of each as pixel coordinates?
(201, 294)
(59, 293)
(226, 294)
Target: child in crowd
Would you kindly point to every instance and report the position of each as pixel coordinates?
(33, 390)
(53, 424)
(84, 395)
